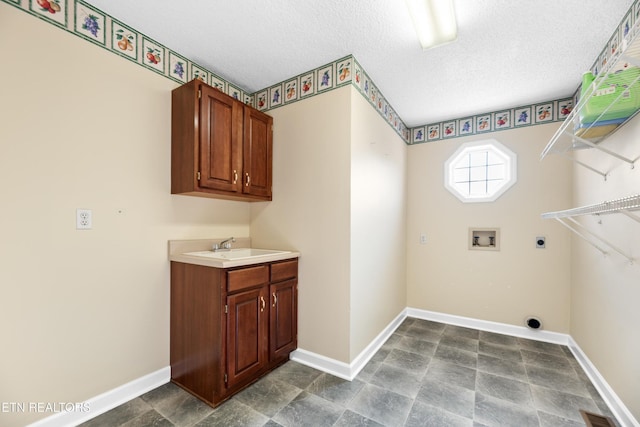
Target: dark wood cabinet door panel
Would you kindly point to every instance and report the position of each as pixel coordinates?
(220, 140)
(257, 156)
(283, 319)
(247, 335)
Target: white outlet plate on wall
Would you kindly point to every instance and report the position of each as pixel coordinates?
(84, 219)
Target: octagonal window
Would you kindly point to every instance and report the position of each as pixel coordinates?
(480, 171)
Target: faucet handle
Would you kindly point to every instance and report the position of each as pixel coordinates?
(225, 244)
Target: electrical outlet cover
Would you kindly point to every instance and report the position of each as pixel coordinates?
(84, 220)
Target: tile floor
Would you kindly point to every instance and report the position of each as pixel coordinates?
(426, 374)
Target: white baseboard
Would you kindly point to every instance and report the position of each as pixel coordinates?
(485, 325)
(618, 408)
(104, 402)
(322, 363)
(348, 371)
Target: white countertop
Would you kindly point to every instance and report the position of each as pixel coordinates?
(183, 251)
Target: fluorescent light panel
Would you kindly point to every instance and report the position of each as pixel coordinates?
(434, 21)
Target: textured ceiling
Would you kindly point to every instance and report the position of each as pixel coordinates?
(508, 53)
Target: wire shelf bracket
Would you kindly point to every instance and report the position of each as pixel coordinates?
(591, 168)
(603, 240)
(583, 237)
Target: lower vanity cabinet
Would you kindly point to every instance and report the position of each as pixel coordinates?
(230, 326)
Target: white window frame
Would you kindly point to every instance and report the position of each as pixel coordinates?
(510, 169)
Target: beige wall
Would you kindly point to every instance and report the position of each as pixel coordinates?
(378, 224)
(310, 213)
(502, 286)
(340, 201)
(85, 311)
(606, 289)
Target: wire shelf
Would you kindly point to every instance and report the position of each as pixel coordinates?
(630, 203)
(566, 138)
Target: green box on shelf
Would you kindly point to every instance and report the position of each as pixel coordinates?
(618, 93)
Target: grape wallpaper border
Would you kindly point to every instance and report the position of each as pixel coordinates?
(97, 27)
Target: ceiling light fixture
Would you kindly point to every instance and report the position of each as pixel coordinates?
(434, 21)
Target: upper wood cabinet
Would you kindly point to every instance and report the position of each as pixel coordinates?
(257, 153)
(220, 147)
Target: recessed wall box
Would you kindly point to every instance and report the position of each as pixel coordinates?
(484, 239)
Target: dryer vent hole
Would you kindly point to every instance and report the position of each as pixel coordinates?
(533, 323)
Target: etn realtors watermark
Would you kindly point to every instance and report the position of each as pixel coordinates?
(44, 407)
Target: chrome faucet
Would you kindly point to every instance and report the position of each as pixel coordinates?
(225, 245)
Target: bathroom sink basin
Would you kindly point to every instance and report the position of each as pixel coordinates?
(198, 252)
(235, 254)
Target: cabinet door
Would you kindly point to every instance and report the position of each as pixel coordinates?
(247, 335)
(220, 141)
(283, 319)
(257, 155)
